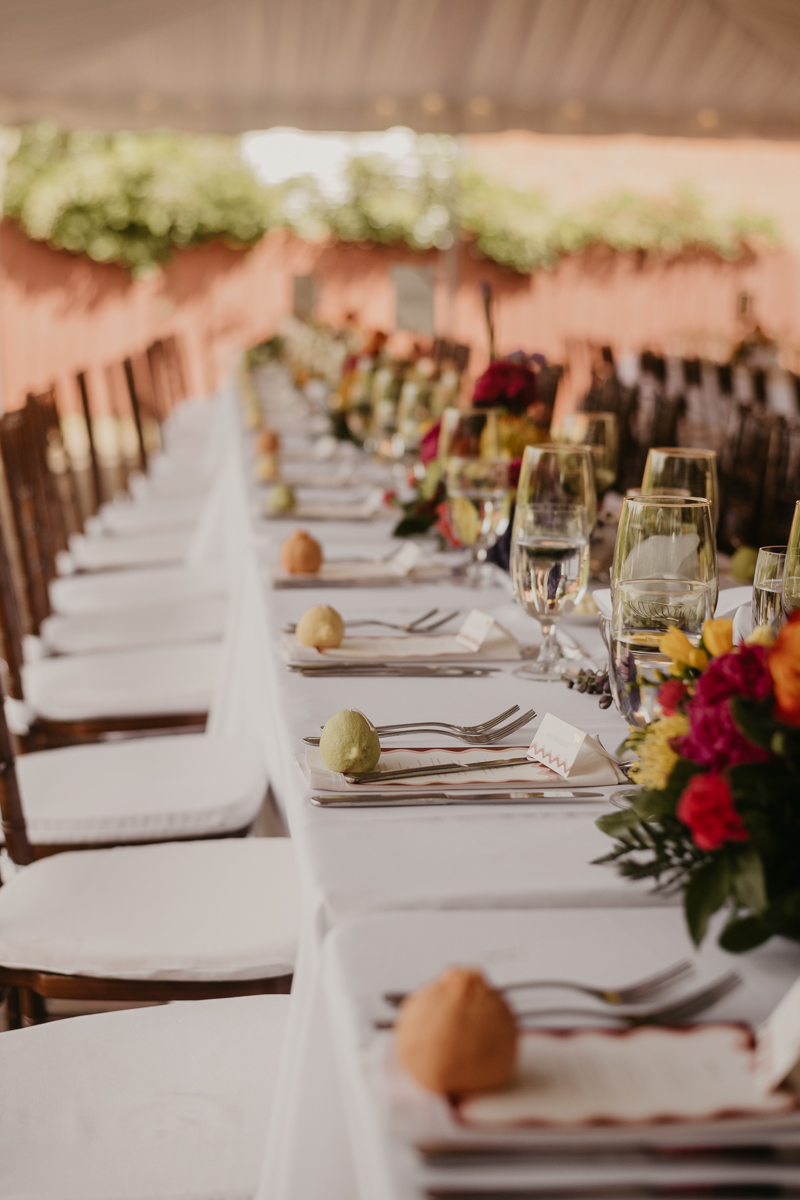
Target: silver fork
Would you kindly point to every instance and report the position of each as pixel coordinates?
(484, 726)
(471, 739)
(672, 1013)
(422, 624)
(632, 993)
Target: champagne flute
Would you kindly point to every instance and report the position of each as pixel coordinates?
(479, 498)
(791, 577)
(667, 538)
(768, 587)
(675, 471)
(643, 611)
(560, 476)
(550, 573)
(599, 431)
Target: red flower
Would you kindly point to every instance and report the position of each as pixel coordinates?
(671, 696)
(706, 806)
(444, 527)
(429, 446)
(506, 384)
(714, 739)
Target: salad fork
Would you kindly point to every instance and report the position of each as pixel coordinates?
(423, 624)
(471, 739)
(632, 993)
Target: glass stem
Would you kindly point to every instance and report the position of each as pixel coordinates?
(549, 650)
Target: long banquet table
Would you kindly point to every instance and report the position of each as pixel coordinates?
(354, 863)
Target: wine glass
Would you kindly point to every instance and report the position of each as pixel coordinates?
(767, 605)
(791, 578)
(674, 471)
(469, 433)
(479, 499)
(600, 432)
(667, 538)
(643, 611)
(550, 573)
(560, 476)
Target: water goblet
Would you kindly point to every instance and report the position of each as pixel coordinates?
(479, 499)
(550, 573)
(667, 538)
(767, 604)
(677, 471)
(559, 475)
(599, 431)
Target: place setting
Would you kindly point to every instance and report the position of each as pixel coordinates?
(349, 764)
(303, 564)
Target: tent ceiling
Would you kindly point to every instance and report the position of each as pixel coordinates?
(679, 67)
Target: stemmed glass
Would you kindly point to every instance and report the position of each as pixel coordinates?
(767, 605)
(664, 577)
(469, 433)
(600, 432)
(550, 572)
(479, 498)
(791, 577)
(559, 475)
(675, 471)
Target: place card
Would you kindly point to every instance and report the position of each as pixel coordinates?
(778, 1042)
(472, 633)
(406, 559)
(556, 744)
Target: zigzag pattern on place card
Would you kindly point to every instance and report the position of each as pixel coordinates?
(550, 760)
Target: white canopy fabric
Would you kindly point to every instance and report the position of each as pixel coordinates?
(678, 67)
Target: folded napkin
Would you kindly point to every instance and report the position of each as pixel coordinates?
(499, 646)
(365, 510)
(729, 600)
(742, 623)
(592, 768)
(362, 574)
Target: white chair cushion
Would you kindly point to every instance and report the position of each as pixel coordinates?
(168, 1103)
(165, 622)
(114, 553)
(130, 683)
(121, 589)
(226, 909)
(150, 515)
(146, 789)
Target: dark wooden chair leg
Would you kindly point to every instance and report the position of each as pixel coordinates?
(33, 1009)
(13, 1013)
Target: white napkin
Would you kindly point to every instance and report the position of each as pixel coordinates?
(592, 768)
(499, 646)
(365, 574)
(742, 623)
(363, 511)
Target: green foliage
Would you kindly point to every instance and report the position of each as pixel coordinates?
(133, 198)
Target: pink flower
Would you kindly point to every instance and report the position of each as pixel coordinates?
(671, 696)
(706, 806)
(429, 446)
(506, 384)
(714, 739)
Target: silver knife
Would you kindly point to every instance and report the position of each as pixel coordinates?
(489, 764)
(392, 800)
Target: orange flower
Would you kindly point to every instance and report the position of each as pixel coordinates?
(784, 667)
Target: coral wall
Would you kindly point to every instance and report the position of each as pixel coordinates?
(60, 314)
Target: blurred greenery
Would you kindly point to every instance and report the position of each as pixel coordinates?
(134, 199)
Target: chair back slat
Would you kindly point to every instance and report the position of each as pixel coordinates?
(83, 389)
(133, 393)
(173, 359)
(10, 627)
(30, 511)
(15, 831)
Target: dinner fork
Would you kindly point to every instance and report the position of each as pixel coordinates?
(484, 726)
(471, 739)
(632, 993)
(422, 624)
(672, 1013)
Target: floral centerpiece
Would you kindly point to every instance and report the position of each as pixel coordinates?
(718, 816)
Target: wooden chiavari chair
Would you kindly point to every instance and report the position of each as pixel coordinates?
(179, 920)
(83, 388)
(743, 473)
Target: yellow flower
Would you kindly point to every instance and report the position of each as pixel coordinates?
(656, 756)
(677, 646)
(718, 636)
(762, 635)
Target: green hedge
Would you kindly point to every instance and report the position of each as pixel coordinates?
(134, 199)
